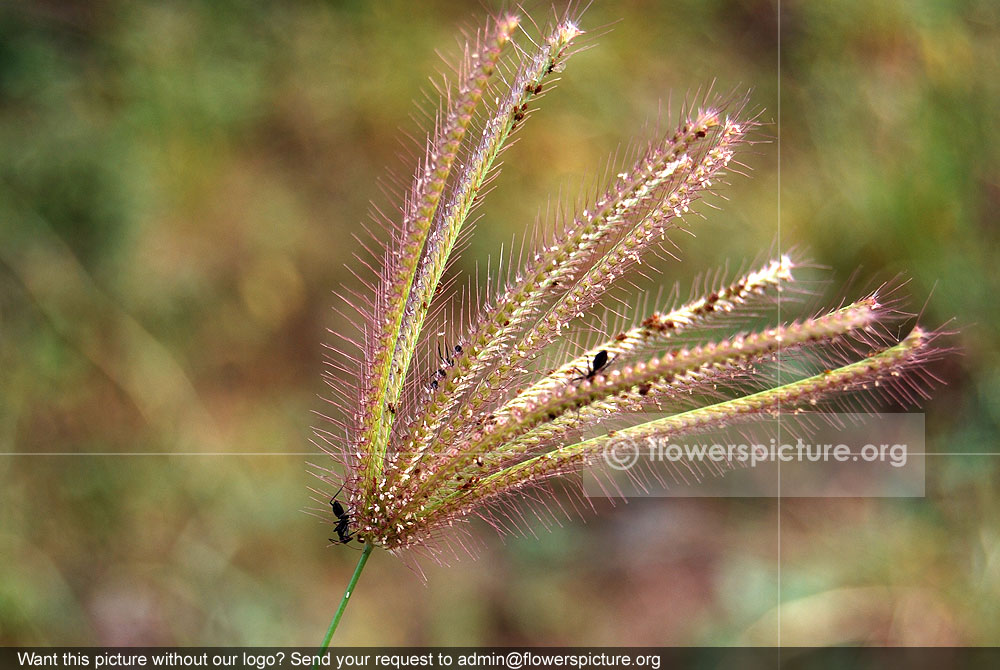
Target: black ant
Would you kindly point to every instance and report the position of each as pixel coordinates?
(446, 359)
(343, 527)
(446, 362)
(601, 362)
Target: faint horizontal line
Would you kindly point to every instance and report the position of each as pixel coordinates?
(959, 453)
(161, 453)
(319, 453)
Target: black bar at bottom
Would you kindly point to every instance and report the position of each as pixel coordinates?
(509, 658)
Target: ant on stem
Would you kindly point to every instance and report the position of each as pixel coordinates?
(343, 527)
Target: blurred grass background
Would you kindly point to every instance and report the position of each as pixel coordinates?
(178, 184)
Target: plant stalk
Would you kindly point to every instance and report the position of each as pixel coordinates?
(347, 594)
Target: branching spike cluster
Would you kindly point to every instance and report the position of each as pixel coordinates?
(415, 455)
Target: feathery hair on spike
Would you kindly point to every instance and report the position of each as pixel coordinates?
(886, 368)
(547, 407)
(651, 183)
(658, 327)
(585, 291)
(447, 224)
(449, 415)
(419, 213)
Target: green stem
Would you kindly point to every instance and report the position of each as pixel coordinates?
(347, 594)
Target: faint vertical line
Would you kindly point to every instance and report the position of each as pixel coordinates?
(779, 321)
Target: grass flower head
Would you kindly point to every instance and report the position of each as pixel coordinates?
(432, 431)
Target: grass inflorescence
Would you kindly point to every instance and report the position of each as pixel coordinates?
(431, 431)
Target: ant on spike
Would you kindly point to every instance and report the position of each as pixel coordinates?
(446, 358)
(343, 527)
(446, 362)
(600, 363)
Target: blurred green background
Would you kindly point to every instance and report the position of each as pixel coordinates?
(178, 182)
